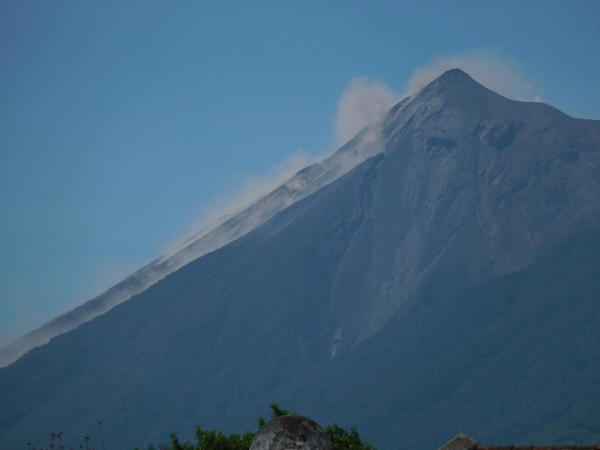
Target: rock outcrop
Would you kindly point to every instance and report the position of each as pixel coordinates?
(291, 432)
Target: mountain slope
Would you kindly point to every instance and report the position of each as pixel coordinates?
(514, 359)
(226, 229)
(360, 302)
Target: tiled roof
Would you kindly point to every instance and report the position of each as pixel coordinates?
(535, 447)
(464, 442)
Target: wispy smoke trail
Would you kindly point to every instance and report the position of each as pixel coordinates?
(362, 103)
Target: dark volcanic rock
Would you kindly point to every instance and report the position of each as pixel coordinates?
(289, 433)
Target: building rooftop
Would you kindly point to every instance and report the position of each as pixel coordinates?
(465, 442)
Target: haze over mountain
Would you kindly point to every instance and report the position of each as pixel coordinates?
(437, 274)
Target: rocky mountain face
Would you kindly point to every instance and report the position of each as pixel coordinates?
(226, 229)
(473, 185)
(439, 273)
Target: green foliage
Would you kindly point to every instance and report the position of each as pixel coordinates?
(276, 411)
(216, 440)
(213, 440)
(346, 440)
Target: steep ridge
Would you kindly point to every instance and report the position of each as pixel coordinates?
(226, 229)
(327, 304)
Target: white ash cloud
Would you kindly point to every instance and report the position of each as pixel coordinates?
(362, 103)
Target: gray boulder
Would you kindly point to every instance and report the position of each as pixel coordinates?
(291, 432)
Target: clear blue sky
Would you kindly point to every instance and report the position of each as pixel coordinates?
(121, 121)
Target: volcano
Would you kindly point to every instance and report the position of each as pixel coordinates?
(439, 273)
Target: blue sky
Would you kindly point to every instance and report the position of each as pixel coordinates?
(123, 123)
